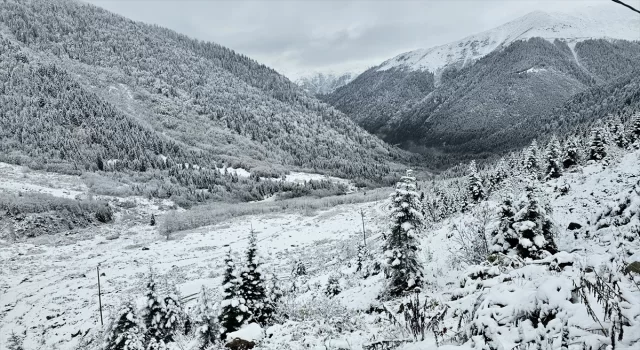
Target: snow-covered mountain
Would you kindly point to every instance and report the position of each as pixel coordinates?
(594, 22)
(475, 95)
(324, 83)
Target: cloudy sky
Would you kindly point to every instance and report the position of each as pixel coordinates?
(300, 37)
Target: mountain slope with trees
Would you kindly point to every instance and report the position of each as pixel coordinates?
(107, 89)
(495, 102)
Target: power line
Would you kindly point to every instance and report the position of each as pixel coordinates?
(625, 5)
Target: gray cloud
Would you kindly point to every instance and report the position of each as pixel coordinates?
(297, 37)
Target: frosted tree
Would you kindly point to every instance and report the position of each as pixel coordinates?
(153, 313)
(475, 189)
(123, 333)
(204, 321)
(252, 286)
(274, 295)
(634, 133)
(570, 157)
(234, 312)
(597, 149)
(618, 133)
(14, 342)
(402, 266)
(531, 158)
(500, 174)
(174, 317)
(534, 227)
(504, 238)
(552, 159)
(333, 286)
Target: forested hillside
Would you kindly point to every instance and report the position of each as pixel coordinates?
(85, 89)
(501, 102)
(495, 91)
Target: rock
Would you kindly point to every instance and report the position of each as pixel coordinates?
(574, 226)
(633, 267)
(145, 248)
(240, 344)
(113, 236)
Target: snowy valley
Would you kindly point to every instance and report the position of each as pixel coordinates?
(163, 192)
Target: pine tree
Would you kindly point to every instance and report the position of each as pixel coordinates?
(634, 133)
(499, 175)
(153, 220)
(252, 287)
(552, 159)
(531, 161)
(333, 286)
(618, 133)
(274, 295)
(299, 269)
(124, 333)
(234, 312)
(475, 189)
(403, 269)
(14, 342)
(504, 238)
(570, 153)
(597, 149)
(534, 228)
(173, 319)
(153, 313)
(204, 321)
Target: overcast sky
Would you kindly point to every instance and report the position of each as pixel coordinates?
(300, 37)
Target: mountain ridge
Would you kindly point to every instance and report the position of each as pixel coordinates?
(579, 26)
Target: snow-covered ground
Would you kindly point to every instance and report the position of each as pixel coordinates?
(48, 286)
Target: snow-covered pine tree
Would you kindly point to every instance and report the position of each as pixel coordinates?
(597, 149)
(207, 331)
(252, 286)
(299, 269)
(570, 157)
(274, 294)
(333, 286)
(14, 342)
(402, 266)
(499, 174)
(552, 157)
(504, 238)
(531, 159)
(123, 333)
(634, 133)
(234, 312)
(534, 227)
(618, 134)
(153, 313)
(174, 317)
(475, 189)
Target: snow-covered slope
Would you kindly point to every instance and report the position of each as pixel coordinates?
(324, 83)
(612, 22)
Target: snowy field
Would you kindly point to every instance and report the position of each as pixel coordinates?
(48, 286)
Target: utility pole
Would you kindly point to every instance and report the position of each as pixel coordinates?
(99, 295)
(364, 233)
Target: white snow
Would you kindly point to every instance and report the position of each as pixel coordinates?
(251, 332)
(609, 21)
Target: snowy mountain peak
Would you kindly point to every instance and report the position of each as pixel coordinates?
(324, 83)
(588, 23)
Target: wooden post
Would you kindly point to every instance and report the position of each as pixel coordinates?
(99, 296)
(364, 233)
